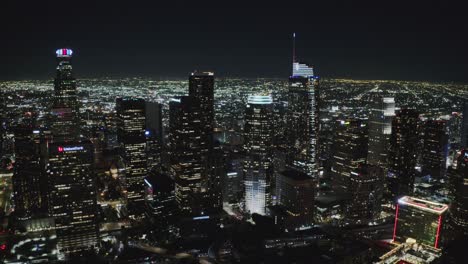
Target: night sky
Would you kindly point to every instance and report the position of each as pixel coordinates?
(425, 41)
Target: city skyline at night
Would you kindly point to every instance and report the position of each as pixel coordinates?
(189, 132)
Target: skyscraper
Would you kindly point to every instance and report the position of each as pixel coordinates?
(459, 206)
(201, 86)
(434, 153)
(296, 194)
(65, 119)
(381, 113)
(303, 124)
(402, 153)
(161, 208)
(27, 171)
(154, 134)
(464, 133)
(187, 163)
(258, 171)
(420, 220)
(72, 194)
(131, 137)
(349, 151)
(366, 190)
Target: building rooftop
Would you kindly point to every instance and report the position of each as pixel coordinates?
(425, 205)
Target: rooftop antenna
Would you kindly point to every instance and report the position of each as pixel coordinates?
(294, 47)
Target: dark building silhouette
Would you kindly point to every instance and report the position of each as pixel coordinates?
(132, 140)
(28, 171)
(459, 205)
(349, 151)
(464, 131)
(295, 191)
(403, 152)
(161, 207)
(366, 192)
(434, 152)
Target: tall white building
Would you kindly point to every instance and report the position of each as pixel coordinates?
(257, 167)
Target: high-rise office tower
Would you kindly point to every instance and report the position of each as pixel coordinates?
(154, 134)
(65, 125)
(72, 195)
(349, 151)
(27, 171)
(153, 112)
(420, 220)
(296, 195)
(201, 86)
(459, 206)
(258, 170)
(303, 124)
(366, 190)
(187, 163)
(464, 132)
(131, 137)
(381, 112)
(434, 153)
(402, 154)
(161, 208)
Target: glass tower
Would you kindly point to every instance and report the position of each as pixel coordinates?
(258, 136)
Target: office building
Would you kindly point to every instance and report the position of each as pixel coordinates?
(420, 220)
(187, 161)
(65, 108)
(349, 151)
(366, 191)
(464, 132)
(257, 168)
(403, 152)
(132, 140)
(295, 191)
(435, 148)
(27, 172)
(72, 195)
(161, 207)
(303, 124)
(459, 205)
(381, 112)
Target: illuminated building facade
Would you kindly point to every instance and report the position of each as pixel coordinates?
(187, 147)
(459, 206)
(349, 151)
(201, 86)
(434, 153)
(65, 108)
(257, 168)
(295, 191)
(303, 124)
(420, 220)
(72, 195)
(403, 152)
(132, 140)
(382, 110)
